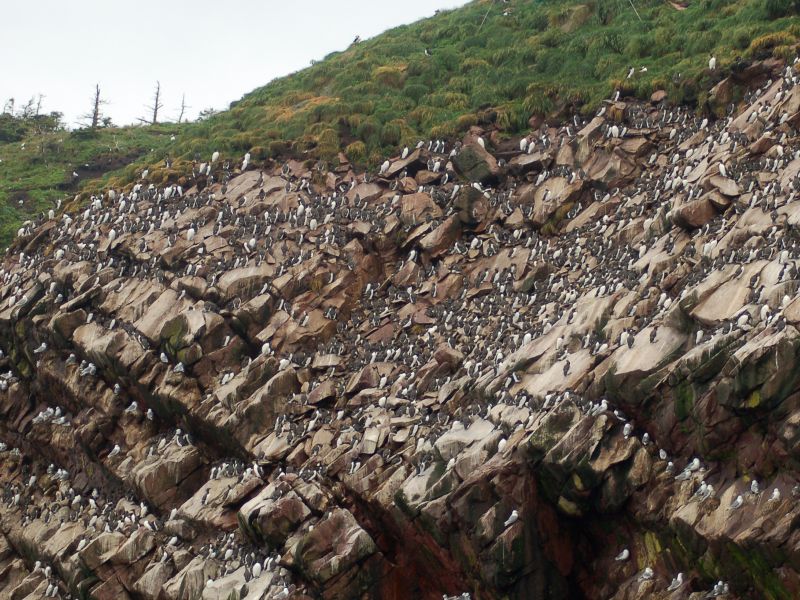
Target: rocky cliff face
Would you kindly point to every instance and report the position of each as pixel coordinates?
(557, 367)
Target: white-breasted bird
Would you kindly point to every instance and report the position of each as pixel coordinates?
(513, 518)
(677, 582)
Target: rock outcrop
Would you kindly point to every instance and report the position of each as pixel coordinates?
(566, 372)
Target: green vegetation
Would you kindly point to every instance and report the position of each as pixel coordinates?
(37, 169)
(490, 63)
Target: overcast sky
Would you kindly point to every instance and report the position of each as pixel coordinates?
(214, 52)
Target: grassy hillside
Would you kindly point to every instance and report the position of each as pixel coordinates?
(490, 62)
(526, 57)
(38, 170)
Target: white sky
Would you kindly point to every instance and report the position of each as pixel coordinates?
(214, 52)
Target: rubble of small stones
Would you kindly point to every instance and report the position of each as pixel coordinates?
(562, 366)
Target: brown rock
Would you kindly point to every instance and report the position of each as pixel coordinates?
(537, 161)
(441, 239)
(694, 214)
(415, 207)
(425, 177)
(658, 96)
(725, 185)
(274, 513)
(334, 545)
(398, 165)
(719, 201)
(445, 355)
(551, 195)
(366, 191)
(472, 204)
(170, 477)
(762, 144)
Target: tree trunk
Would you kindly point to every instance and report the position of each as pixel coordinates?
(96, 107)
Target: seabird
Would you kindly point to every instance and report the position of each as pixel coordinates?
(513, 518)
(677, 582)
(627, 430)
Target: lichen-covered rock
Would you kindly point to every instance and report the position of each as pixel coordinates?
(475, 163)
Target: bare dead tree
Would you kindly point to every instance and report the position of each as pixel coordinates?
(155, 107)
(27, 110)
(39, 104)
(94, 117)
(183, 108)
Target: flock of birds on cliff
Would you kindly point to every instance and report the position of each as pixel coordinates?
(487, 328)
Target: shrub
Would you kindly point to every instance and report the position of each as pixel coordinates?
(278, 148)
(356, 152)
(392, 132)
(464, 122)
(612, 41)
(444, 131)
(638, 46)
(451, 100)
(415, 91)
(538, 103)
(780, 8)
(369, 130)
(392, 76)
(552, 38)
(741, 38)
(259, 152)
(762, 46)
(472, 64)
(786, 53)
(605, 12)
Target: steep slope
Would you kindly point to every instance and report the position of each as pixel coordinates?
(41, 169)
(566, 371)
(495, 64)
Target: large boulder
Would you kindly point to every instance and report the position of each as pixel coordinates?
(335, 545)
(476, 164)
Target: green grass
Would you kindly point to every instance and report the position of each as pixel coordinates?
(545, 57)
(37, 171)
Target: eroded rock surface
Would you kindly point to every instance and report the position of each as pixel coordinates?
(570, 372)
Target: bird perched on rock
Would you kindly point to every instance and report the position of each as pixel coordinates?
(513, 518)
(677, 582)
(627, 430)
